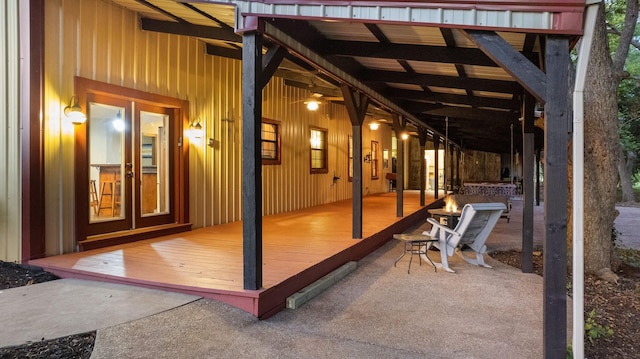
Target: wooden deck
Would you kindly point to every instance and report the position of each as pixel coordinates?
(298, 248)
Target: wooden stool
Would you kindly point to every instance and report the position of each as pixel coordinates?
(115, 208)
(93, 195)
(110, 189)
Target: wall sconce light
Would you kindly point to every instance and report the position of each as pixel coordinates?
(74, 111)
(367, 158)
(195, 129)
(374, 126)
(405, 136)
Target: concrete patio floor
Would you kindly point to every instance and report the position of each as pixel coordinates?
(377, 311)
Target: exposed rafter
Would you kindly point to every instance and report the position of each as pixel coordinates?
(473, 101)
(185, 28)
(228, 52)
(449, 39)
(405, 52)
(460, 112)
(161, 10)
(477, 84)
(325, 91)
(208, 16)
(412, 85)
(516, 64)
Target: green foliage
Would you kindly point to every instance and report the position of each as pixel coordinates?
(629, 114)
(614, 236)
(629, 88)
(569, 352)
(636, 180)
(593, 330)
(615, 13)
(629, 256)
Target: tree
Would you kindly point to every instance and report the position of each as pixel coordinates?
(627, 92)
(629, 117)
(601, 140)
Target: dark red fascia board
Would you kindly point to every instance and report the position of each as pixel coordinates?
(568, 14)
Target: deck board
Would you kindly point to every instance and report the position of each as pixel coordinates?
(298, 247)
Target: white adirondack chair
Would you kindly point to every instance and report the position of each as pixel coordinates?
(474, 226)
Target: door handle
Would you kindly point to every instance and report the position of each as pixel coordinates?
(130, 174)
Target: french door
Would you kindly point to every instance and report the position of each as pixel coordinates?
(129, 162)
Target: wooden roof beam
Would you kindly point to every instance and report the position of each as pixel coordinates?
(476, 84)
(475, 101)
(187, 29)
(512, 61)
(451, 55)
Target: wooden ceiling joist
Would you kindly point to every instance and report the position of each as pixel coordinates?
(231, 53)
(187, 29)
(462, 112)
(451, 55)
(473, 101)
(476, 84)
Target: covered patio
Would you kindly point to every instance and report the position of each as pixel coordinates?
(453, 75)
(299, 248)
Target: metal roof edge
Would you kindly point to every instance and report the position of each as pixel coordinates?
(512, 15)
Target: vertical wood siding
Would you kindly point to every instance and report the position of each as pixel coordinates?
(101, 41)
(10, 187)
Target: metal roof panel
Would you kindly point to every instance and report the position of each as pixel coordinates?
(402, 34)
(380, 64)
(344, 31)
(448, 90)
(493, 73)
(434, 68)
(144, 11)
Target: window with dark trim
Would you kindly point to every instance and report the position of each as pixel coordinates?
(319, 150)
(350, 158)
(270, 147)
(374, 160)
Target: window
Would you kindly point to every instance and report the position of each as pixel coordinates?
(350, 161)
(374, 160)
(319, 151)
(270, 148)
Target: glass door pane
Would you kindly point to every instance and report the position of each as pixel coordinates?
(107, 160)
(154, 163)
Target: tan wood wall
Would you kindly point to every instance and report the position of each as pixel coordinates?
(10, 198)
(98, 40)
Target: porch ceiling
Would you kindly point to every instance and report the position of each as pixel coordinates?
(432, 72)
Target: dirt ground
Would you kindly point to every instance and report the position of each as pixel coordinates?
(614, 306)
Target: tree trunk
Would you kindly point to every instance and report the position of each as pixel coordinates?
(601, 152)
(625, 163)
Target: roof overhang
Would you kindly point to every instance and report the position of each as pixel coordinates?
(459, 68)
(548, 17)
